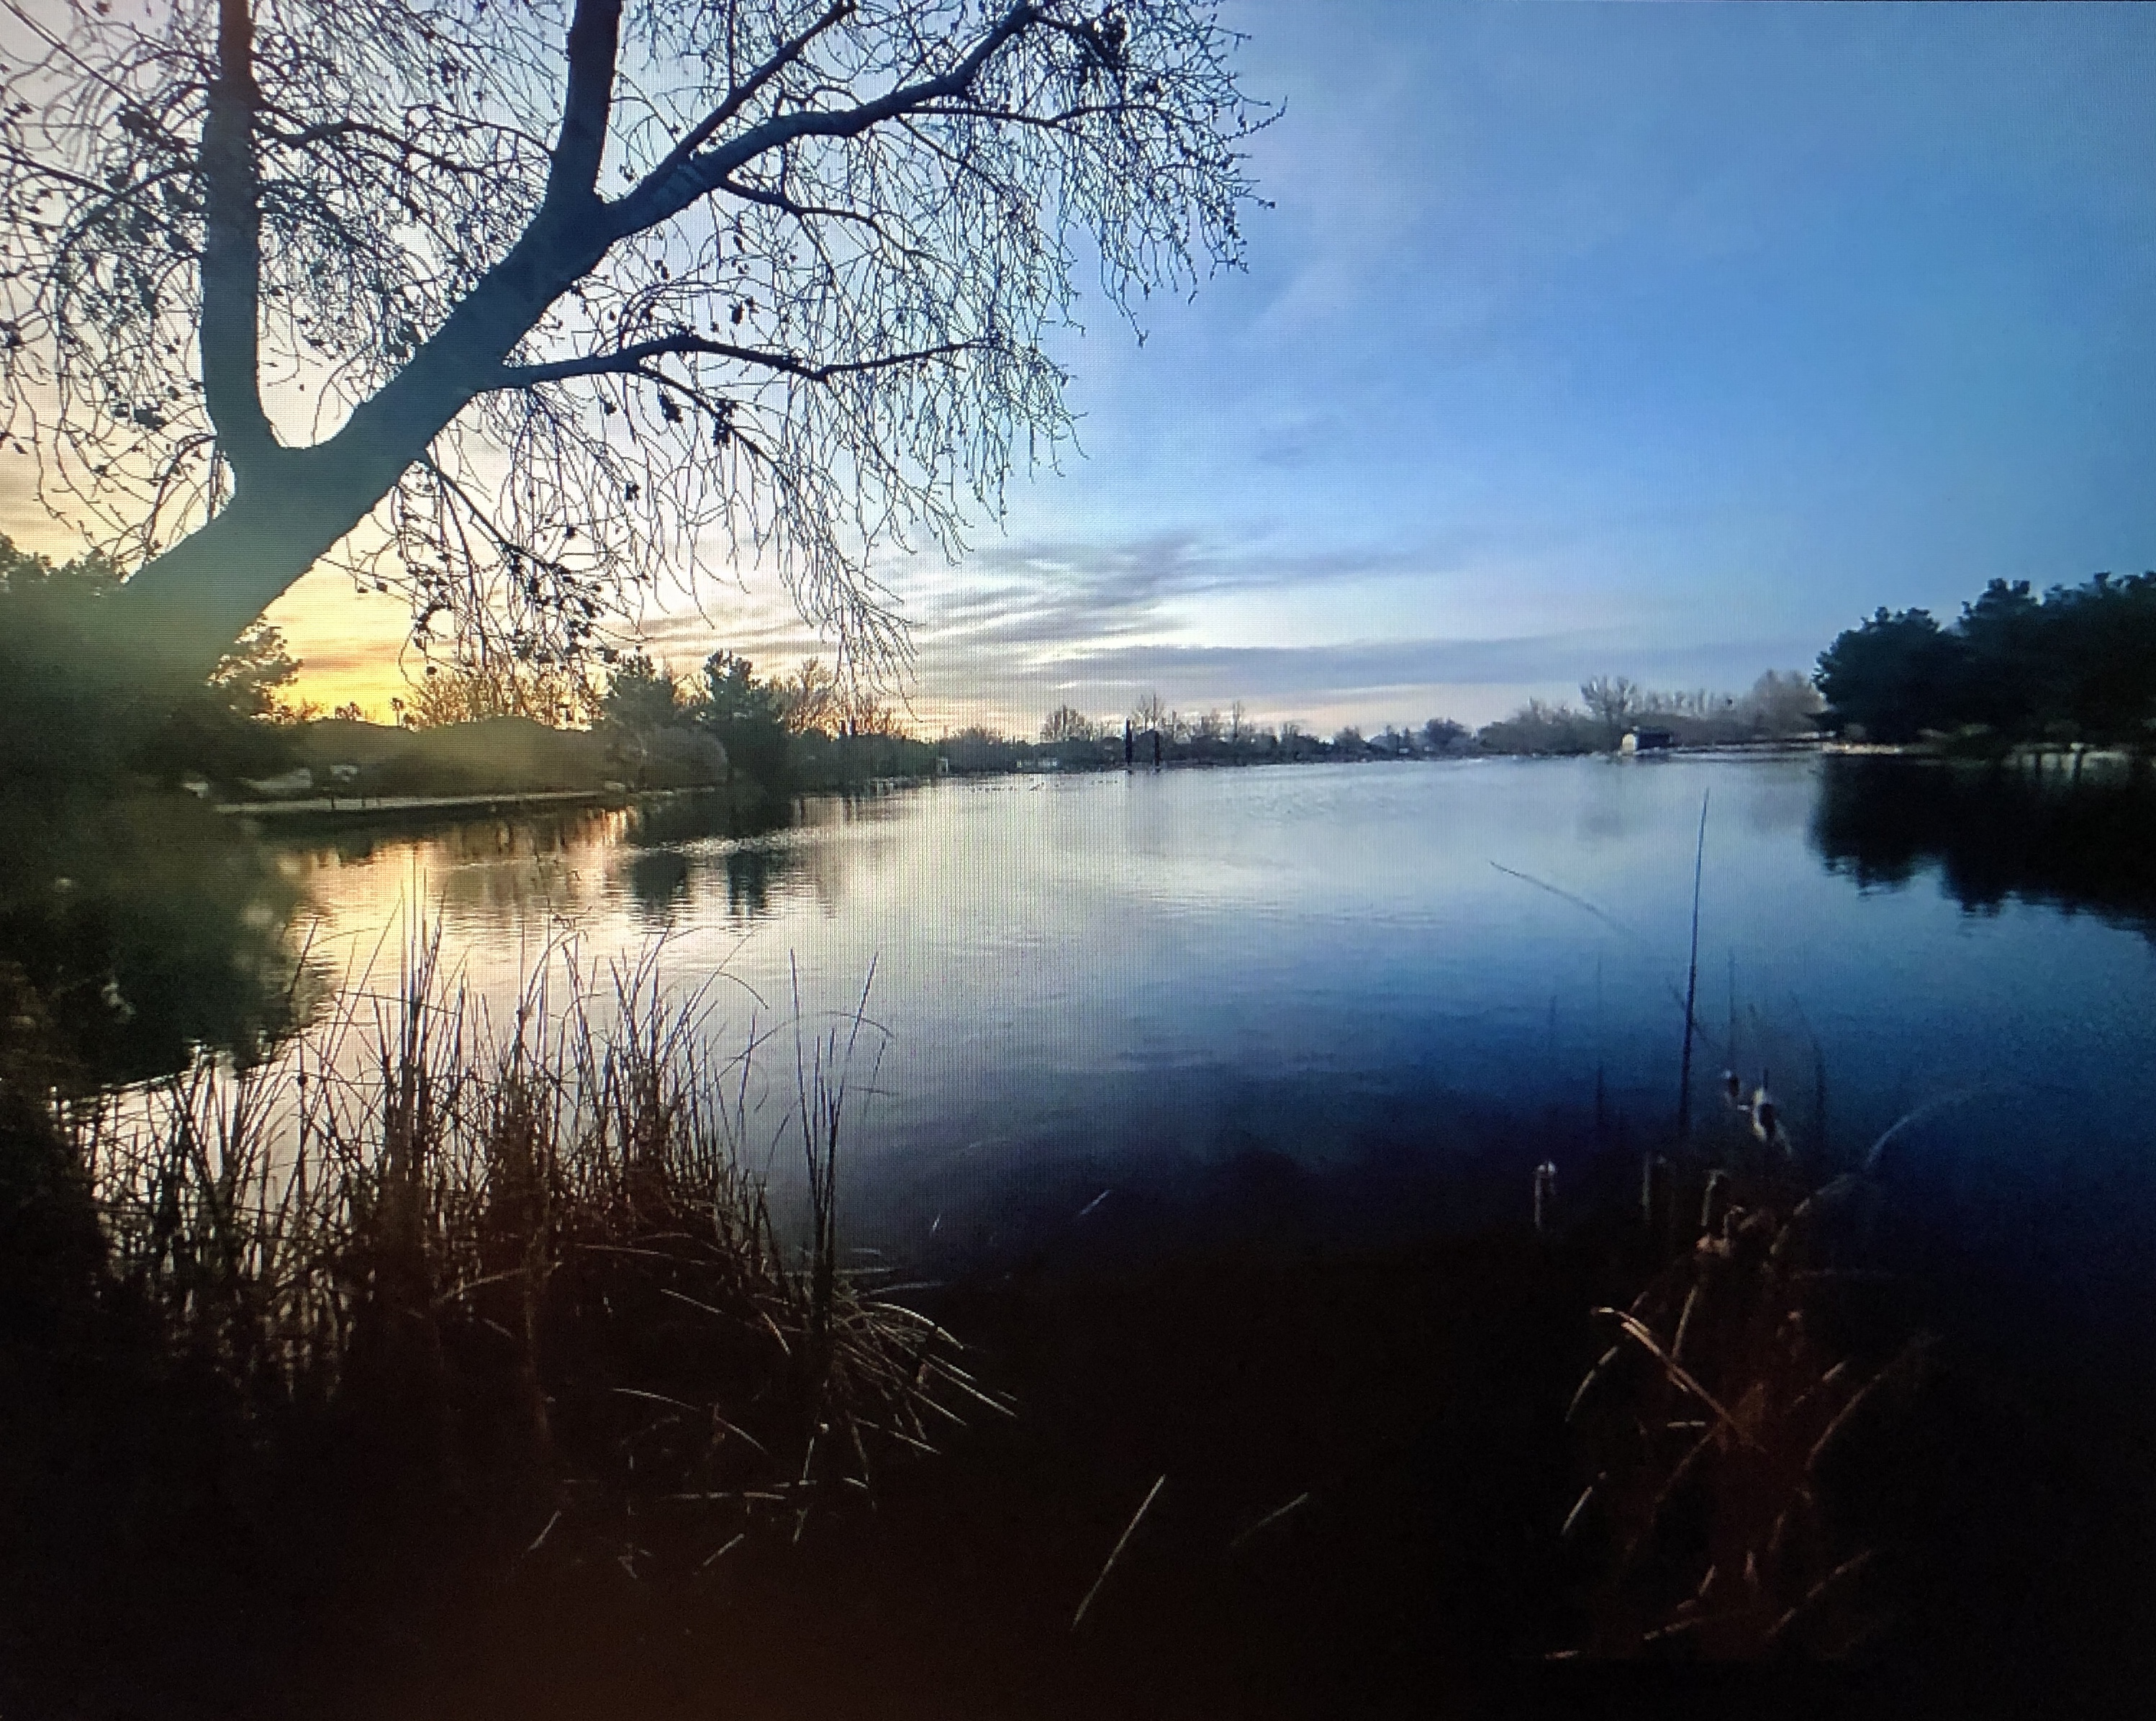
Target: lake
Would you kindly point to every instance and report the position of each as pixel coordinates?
(1203, 1108)
(1358, 998)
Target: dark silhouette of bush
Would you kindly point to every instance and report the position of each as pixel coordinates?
(2077, 665)
(81, 719)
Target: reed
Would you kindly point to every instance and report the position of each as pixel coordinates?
(1767, 1362)
(524, 1263)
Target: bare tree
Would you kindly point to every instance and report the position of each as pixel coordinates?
(1066, 722)
(464, 693)
(509, 307)
(1151, 713)
(1613, 701)
(811, 698)
(1784, 703)
(865, 714)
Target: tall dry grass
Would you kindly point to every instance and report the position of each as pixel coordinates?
(530, 1262)
(1765, 1386)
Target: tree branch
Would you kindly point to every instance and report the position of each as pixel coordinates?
(742, 94)
(801, 212)
(630, 360)
(231, 250)
(594, 42)
(332, 130)
(675, 184)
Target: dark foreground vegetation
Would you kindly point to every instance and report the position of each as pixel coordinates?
(287, 1348)
(475, 1375)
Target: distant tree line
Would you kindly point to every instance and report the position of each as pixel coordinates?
(2078, 663)
(1781, 703)
(806, 731)
(1070, 739)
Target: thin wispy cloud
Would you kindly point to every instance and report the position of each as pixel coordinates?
(1062, 595)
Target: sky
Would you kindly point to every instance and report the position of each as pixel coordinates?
(1656, 340)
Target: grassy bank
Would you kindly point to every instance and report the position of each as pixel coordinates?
(287, 1349)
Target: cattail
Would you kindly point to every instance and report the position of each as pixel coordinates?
(1767, 1120)
(1715, 1203)
(1654, 1189)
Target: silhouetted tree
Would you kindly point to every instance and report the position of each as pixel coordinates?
(641, 696)
(1891, 677)
(1541, 728)
(2078, 663)
(1066, 722)
(75, 723)
(1613, 701)
(811, 698)
(250, 676)
(502, 688)
(268, 270)
(746, 715)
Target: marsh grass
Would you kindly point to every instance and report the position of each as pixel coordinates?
(530, 1266)
(1769, 1384)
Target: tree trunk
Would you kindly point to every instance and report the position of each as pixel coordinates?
(183, 608)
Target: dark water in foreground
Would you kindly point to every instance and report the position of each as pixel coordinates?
(1180, 989)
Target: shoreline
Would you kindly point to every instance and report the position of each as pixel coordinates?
(510, 800)
(2063, 758)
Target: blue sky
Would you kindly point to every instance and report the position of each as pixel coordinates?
(1663, 340)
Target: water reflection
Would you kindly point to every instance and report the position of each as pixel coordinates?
(143, 931)
(1112, 981)
(654, 866)
(1994, 834)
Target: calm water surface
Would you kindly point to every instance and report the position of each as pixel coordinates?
(1138, 983)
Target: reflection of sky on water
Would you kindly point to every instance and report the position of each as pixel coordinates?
(1094, 978)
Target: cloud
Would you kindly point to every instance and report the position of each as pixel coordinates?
(1372, 670)
(1019, 599)
(1022, 627)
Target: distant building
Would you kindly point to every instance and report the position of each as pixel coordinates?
(1642, 741)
